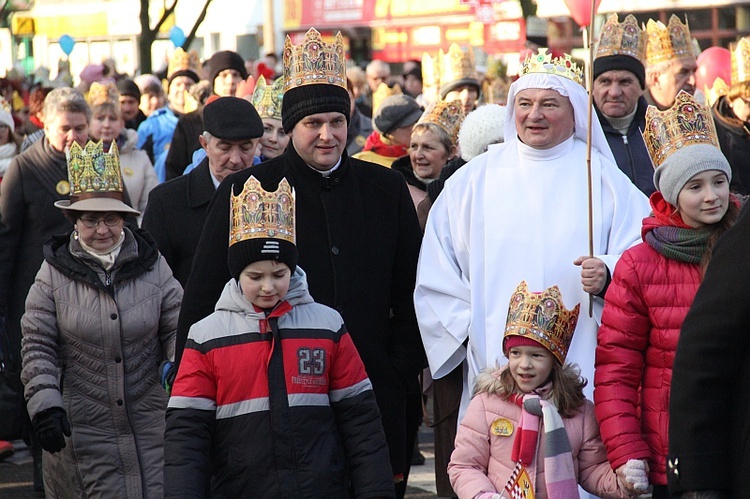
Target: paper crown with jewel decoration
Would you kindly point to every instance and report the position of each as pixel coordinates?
(382, 93)
(93, 172)
(456, 67)
(718, 89)
(668, 42)
(314, 61)
(542, 62)
(624, 38)
(446, 115)
(542, 317)
(257, 213)
(740, 60)
(685, 123)
(185, 63)
(103, 93)
(267, 99)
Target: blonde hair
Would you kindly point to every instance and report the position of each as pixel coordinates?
(566, 393)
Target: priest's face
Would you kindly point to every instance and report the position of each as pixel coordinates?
(544, 118)
(320, 139)
(616, 93)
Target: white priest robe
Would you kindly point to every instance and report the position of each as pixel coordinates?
(517, 213)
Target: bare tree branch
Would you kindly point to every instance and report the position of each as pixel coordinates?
(165, 15)
(196, 25)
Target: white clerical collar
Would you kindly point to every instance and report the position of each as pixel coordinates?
(327, 173)
(552, 153)
(215, 180)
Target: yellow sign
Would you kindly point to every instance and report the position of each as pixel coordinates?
(22, 25)
(79, 26)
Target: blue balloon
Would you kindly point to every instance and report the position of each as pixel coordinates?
(66, 44)
(177, 36)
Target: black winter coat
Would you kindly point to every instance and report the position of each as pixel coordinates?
(358, 239)
(709, 428)
(734, 139)
(630, 150)
(175, 215)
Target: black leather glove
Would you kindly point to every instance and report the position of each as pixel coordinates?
(51, 427)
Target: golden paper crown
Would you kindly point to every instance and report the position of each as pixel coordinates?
(685, 123)
(5, 105)
(740, 61)
(183, 61)
(542, 317)
(382, 93)
(257, 213)
(542, 62)
(715, 91)
(624, 38)
(267, 98)
(93, 172)
(446, 115)
(103, 93)
(314, 61)
(456, 64)
(668, 42)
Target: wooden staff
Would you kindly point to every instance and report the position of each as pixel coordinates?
(589, 41)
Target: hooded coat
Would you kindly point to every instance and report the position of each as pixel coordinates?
(94, 349)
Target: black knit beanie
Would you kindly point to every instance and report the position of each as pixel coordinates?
(226, 59)
(244, 253)
(184, 72)
(312, 99)
(127, 87)
(620, 62)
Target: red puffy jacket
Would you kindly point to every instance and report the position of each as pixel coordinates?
(645, 306)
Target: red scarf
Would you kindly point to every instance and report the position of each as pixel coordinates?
(377, 144)
(36, 122)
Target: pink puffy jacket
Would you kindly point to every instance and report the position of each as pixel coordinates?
(645, 306)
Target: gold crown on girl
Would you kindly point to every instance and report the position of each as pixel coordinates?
(314, 61)
(183, 61)
(668, 42)
(257, 213)
(446, 115)
(382, 93)
(267, 98)
(740, 61)
(93, 172)
(624, 38)
(542, 62)
(456, 64)
(685, 123)
(542, 317)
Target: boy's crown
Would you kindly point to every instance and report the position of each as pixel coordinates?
(259, 214)
(543, 318)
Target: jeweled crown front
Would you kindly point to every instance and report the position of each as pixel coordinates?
(257, 213)
(542, 62)
(624, 38)
(542, 317)
(685, 123)
(740, 61)
(314, 61)
(446, 115)
(267, 99)
(183, 61)
(93, 172)
(668, 42)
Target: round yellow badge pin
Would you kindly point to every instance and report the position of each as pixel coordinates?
(502, 427)
(63, 187)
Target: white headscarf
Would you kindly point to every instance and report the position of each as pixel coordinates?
(578, 98)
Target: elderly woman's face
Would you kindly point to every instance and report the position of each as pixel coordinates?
(544, 118)
(100, 230)
(66, 127)
(427, 153)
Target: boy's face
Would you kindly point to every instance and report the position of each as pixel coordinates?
(265, 283)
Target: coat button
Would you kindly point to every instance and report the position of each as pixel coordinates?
(119, 401)
(335, 250)
(113, 316)
(118, 359)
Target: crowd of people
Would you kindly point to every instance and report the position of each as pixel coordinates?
(246, 279)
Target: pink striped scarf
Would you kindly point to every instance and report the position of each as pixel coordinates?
(559, 472)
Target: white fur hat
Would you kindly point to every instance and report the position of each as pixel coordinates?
(7, 119)
(482, 127)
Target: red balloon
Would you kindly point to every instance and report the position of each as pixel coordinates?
(580, 10)
(714, 62)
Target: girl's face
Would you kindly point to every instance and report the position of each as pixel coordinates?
(105, 126)
(427, 153)
(265, 283)
(704, 199)
(530, 366)
(274, 140)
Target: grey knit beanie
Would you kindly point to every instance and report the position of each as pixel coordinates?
(672, 175)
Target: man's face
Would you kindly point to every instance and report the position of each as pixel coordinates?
(177, 90)
(412, 85)
(377, 75)
(467, 94)
(228, 156)
(616, 93)
(679, 75)
(544, 118)
(226, 83)
(65, 128)
(320, 139)
(129, 107)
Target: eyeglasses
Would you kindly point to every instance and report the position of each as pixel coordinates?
(109, 221)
